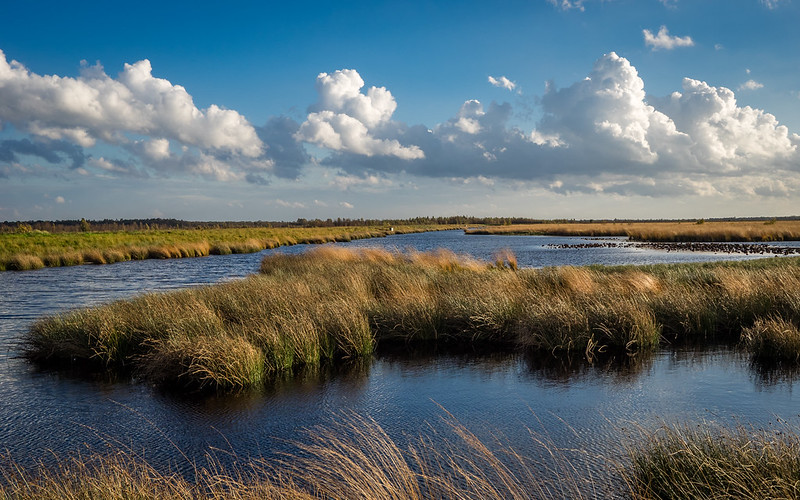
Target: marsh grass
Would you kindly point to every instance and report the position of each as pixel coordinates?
(332, 304)
(773, 339)
(352, 458)
(23, 251)
(715, 231)
(705, 462)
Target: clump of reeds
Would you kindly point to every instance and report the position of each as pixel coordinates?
(703, 463)
(773, 338)
(22, 262)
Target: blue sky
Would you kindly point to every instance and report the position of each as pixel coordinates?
(543, 108)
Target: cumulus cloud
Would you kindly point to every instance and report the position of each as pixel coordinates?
(346, 205)
(751, 85)
(154, 125)
(502, 82)
(603, 134)
(60, 200)
(95, 107)
(345, 119)
(663, 40)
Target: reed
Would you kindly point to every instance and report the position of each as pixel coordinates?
(773, 339)
(716, 231)
(332, 304)
(703, 463)
(25, 250)
(354, 458)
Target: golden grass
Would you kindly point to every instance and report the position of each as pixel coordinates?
(660, 231)
(354, 458)
(703, 463)
(332, 304)
(36, 249)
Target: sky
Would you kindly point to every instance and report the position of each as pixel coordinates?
(580, 109)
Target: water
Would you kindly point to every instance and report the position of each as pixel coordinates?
(577, 406)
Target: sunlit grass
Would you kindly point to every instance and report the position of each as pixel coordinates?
(661, 231)
(332, 304)
(699, 462)
(353, 458)
(37, 249)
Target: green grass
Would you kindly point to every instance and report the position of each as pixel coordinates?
(332, 304)
(36, 249)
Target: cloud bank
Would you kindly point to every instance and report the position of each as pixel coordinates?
(603, 134)
(154, 122)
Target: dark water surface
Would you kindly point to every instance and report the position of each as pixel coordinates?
(578, 406)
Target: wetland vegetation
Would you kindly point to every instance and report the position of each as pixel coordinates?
(655, 231)
(331, 305)
(356, 458)
(28, 248)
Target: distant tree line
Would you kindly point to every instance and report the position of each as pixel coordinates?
(61, 226)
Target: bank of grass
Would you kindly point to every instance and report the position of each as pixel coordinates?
(710, 231)
(332, 304)
(36, 249)
(705, 463)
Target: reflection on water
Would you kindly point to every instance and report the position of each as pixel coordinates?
(578, 405)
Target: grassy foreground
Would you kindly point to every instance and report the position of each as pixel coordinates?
(714, 231)
(332, 304)
(36, 249)
(355, 458)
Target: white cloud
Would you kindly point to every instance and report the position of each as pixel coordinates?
(346, 205)
(772, 4)
(663, 40)
(751, 85)
(289, 204)
(96, 107)
(568, 4)
(347, 120)
(502, 82)
(60, 200)
(602, 134)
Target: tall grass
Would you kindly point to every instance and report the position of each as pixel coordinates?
(661, 231)
(332, 304)
(705, 463)
(355, 458)
(33, 250)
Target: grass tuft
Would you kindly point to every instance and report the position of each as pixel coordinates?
(701, 463)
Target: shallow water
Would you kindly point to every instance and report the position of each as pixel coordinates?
(591, 408)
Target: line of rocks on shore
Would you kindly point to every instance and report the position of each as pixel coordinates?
(729, 248)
